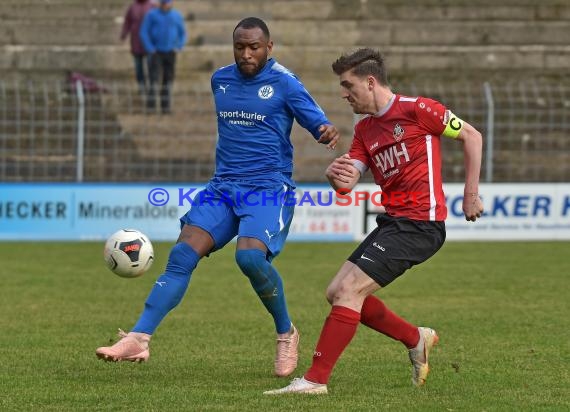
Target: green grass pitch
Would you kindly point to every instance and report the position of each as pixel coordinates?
(502, 311)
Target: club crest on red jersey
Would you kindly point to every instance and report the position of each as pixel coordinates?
(398, 132)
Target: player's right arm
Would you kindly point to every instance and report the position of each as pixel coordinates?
(342, 175)
(345, 171)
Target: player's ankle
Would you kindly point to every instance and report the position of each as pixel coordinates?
(143, 338)
(287, 334)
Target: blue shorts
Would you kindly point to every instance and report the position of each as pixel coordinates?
(260, 209)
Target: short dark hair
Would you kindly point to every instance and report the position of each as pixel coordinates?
(252, 23)
(363, 62)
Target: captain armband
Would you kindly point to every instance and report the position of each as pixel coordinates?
(453, 125)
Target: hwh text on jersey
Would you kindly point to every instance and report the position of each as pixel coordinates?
(391, 156)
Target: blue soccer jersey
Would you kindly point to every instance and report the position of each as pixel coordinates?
(255, 116)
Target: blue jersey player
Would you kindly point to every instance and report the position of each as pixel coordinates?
(256, 101)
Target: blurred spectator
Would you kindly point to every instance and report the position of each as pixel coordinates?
(131, 27)
(163, 35)
(89, 84)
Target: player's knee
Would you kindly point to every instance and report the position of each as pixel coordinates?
(182, 259)
(254, 265)
(329, 294)
(341, 291)
(251, 261)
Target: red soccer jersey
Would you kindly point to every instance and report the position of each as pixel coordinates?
(401, 145)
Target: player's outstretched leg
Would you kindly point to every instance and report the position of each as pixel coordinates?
(338, 330)
(376, 315)
(167, 292)
(419, 341)
(419, 355)
(268, 285)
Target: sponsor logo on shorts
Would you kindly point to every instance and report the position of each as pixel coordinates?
(377, 246)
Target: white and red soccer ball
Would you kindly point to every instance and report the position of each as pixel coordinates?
(128, 253)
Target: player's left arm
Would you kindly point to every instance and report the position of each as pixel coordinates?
(309, 114)
(472, 151)
(329, 135)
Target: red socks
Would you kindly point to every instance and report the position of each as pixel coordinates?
(338, 330)
(377, 316)
(340, 327)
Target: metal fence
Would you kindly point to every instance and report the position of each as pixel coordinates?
(525, 126)
(58, 132)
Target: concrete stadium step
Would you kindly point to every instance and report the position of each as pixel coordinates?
(115, 61)
(54, 32)
(60, 12)
(341, 33)
(536, 141)
(180, 123)
(327, 10)
(406, 10)
(174, 148)
(345, 33)
(530, 165)
(169, 137)
(29, 3)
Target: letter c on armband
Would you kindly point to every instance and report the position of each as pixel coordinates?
(453, 126)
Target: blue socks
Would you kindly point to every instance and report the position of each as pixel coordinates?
(169, 288)
(172, 284)
(267, 284)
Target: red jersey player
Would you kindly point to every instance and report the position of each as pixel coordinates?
(400, 142)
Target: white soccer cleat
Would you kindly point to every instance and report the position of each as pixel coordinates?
(419, 355)
(300, 385)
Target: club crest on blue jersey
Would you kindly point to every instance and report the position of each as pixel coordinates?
(265, 92)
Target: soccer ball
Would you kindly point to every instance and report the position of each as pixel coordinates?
(128, 253)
